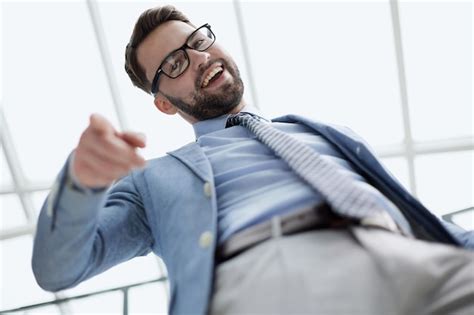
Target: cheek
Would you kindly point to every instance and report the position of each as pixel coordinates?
(182, 87)
(220, 52)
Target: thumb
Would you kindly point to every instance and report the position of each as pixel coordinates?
(135, 139)
(99, 124)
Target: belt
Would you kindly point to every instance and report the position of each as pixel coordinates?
(319, 217)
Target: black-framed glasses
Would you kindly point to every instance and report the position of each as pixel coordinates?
(177, 61)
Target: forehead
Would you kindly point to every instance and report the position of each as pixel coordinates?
(160, 42)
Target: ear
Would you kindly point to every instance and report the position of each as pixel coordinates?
(164, 105)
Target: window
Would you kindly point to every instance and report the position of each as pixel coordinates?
(335, 61)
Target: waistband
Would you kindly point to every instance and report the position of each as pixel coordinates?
(317, 217)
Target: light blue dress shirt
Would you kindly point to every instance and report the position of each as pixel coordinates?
(252, 184)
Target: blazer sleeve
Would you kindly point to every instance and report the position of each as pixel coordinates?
(83, 233)
(466, 238)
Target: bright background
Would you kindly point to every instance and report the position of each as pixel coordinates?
(334, 61)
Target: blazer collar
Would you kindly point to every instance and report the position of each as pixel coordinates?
(194, 158)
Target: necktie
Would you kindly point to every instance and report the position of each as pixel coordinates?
(341, 192)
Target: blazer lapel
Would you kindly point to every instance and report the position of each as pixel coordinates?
(194, 158)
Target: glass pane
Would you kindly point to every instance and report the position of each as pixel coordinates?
(465, 220)
(107, 303)
(18, 286)
(331, 61)
(38, 199)
(437, 39)
(11, 212)
(136, 270)
(445, 181)
(149, 299)
(6, 177)
(49, 310)
(399, 168)
(164, 133)
(52, 81)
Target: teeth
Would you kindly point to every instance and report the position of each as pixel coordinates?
(211, 75)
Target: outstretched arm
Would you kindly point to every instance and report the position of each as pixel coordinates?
(83, 229)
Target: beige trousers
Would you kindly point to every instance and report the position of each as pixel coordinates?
(357, 271)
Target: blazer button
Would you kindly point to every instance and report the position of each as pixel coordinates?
(205, 240)
(207, 189)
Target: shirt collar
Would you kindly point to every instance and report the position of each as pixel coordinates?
(214, 124)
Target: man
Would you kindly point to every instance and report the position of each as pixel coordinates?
(244, 223)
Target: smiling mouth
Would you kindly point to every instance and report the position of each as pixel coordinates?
(212, 76)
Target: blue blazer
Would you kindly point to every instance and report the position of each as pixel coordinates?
(170, 208)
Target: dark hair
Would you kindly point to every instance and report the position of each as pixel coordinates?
(146, 23)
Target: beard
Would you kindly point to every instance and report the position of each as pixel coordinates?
(205, 105)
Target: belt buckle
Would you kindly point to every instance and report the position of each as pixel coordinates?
(382, 220)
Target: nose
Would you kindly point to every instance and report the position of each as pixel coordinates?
(198, 58)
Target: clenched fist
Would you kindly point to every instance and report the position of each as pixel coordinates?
(104, 154)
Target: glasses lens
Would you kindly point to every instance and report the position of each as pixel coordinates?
(202, 39)
(175, 64)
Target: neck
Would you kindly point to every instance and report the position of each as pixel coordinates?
(239, 107)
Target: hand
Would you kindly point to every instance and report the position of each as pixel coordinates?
(103, 154)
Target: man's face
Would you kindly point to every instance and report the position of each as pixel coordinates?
(192, 93)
